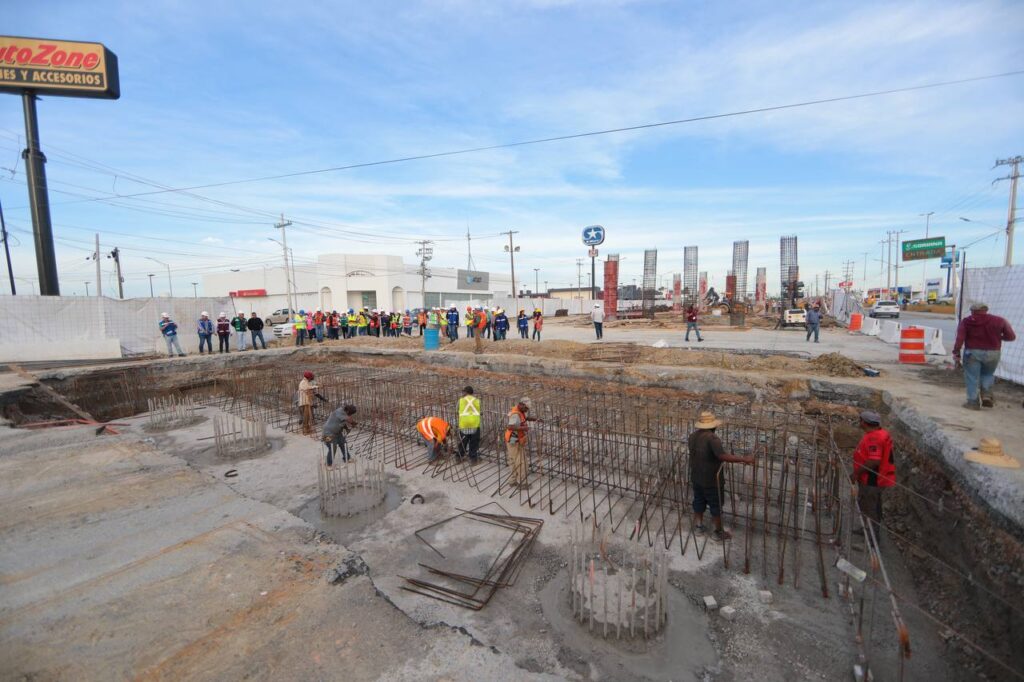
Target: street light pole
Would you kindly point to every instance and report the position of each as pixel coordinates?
(536, 280)
(170, 285)
(150, 284)
(195, 290)
(87, 290)
(512, 260)
(287, 276)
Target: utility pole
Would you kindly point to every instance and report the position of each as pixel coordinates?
(536, 280)
(899, 254)
(470, 265)
(7, 250)
(865, 282)
(87, 290)
(116, 255)
(1011, 215)
(99, 275)
(511, 248)
(287, 273)
(579, 279)
(425, 252)
(150, 285)
(195, 289)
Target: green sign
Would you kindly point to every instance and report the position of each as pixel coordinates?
(922, 249)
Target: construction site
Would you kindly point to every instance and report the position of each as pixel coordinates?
(170, 519)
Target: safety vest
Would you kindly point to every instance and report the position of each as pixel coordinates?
(433, 429)
(433, 319)
(481, 319)
(406, 321)
(300, 322)
(362, 321)
(352, 320)
(469, 412)
(520, 433)
(318, 318)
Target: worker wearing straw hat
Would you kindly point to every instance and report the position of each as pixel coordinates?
(706, 457)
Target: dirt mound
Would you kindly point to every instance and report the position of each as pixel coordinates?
(836, 365)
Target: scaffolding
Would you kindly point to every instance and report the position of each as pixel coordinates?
(677, 293)
(739, 268)
(650, 283)
(690, 278)
(789, 270)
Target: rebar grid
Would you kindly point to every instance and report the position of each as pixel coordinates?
(350, 488)
(614, 453)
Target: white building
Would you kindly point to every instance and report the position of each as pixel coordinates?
(339, 282)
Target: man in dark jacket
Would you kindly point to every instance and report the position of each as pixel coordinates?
(255, 326)
(981, 336)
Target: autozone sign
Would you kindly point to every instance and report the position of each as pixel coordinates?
(58, 67)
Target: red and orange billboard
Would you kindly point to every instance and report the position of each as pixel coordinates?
(58, 67)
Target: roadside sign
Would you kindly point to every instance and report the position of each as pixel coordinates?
(923, 249)
(593, 235)
(592, 252)
(58, 67)
(848, 283)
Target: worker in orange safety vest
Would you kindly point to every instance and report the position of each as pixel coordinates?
(435, 431)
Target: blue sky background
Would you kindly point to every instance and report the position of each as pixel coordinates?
(218, 91)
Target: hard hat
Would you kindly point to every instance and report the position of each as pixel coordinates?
(223, 314)
(164, 315)
(318, 310)
(240, 312)
(406, 312)
(307, 374)
(302, 312)
(204, 314)
(350, 311)
(597, 305)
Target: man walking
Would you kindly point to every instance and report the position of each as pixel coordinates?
(169, 330)
(205, 331)
(873, 467)
(691, 323)
(706, 457)
(597, 317)
(812, 322)
(469, 425)
(981, 337)
(515, 443)
(435, 431)
(335, 433)
(255, 326)
(239, 324)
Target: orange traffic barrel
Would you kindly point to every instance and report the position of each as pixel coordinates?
(912, 346)
(855, 321)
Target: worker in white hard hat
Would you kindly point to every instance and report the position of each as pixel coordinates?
(204, 327)
(597, 317)
(169, 330)
(224, 333)
(238, 323)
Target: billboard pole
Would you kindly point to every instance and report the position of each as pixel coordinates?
(42, 230)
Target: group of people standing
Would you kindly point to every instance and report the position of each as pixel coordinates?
(242, 327)
(318, 325)
(484, 322)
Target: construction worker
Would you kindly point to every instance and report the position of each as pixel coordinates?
(255, 326)
(307, 389)
(500, 325)
(523, 324)
(421, 320)
(453, 324)
(469, 425)
(873, 467)
(299, 324)
(353, 322)
(516, 432)
(239, 324)
(336, 428)
(318, 325)
(490, 320)
(691, 323)
(205, 330)
(407, 323)
(980, 335)
(224, 333)
(435, 431)
(169, 330)
(470, 322)
(538, 324)
(480, 320)
(597, 317)
(433, 319)
(706, 457)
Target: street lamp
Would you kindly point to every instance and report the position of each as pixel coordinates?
(195, 290)
(150, 284)
(536, 280)
(170, 286)
(87, 289)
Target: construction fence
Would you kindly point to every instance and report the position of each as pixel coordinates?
(38, 328)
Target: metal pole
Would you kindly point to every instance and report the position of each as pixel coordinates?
(593, 278)
(99, 274)
(170, 286)
(195, 289)
(87, 289)
(150, 285)
(1011, 215)
(287, 275)
(536, 280)
(7, 250)
(42, 230)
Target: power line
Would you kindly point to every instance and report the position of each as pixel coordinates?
(575, 136)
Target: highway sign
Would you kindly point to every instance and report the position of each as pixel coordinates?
(593, 235)
(922, 249)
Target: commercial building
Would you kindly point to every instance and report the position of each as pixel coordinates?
(341, 281)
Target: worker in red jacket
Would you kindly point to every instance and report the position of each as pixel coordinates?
(873, 467)
(981, 336)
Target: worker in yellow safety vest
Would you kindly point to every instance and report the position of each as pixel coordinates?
(362, 321)
(469, 425)
(515, 443)
(435, 431)
(299, 325)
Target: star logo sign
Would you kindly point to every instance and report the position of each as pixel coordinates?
(592, 233)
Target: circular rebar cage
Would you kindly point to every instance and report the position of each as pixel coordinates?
(352, 487)
(617, 588)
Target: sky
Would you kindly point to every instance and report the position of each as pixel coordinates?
(219, 91)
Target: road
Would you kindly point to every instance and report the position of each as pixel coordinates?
(947, 323)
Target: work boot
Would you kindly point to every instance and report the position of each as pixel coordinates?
(988, 400)
(972, 405)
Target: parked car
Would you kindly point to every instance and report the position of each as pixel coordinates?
(277, 317)
(283, 330)
(794, 317)
(885, 309)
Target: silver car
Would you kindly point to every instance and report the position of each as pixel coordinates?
(885, 309)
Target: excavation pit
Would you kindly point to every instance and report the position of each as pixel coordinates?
(614, 453)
